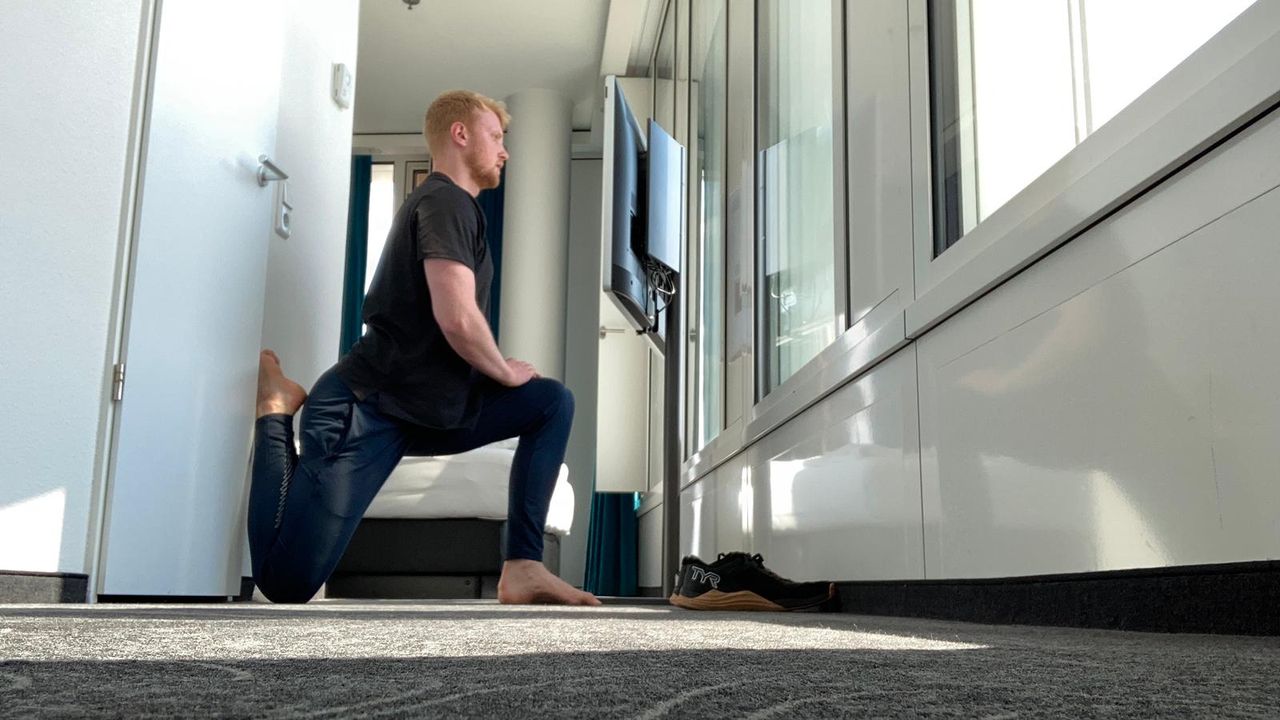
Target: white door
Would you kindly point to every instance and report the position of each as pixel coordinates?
(175, 515)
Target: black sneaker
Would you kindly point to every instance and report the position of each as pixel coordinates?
(738, 581)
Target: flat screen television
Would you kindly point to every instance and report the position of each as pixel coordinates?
(642, 207)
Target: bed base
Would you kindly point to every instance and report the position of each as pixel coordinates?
(455, 558)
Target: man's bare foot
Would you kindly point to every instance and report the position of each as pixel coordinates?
(277, 394)
(525, 582)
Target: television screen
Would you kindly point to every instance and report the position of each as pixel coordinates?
(642, 212)
(623, 210)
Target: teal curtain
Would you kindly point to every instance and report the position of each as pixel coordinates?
(357, 251)
(612, 545)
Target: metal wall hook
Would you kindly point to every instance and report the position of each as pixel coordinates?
(268, 166)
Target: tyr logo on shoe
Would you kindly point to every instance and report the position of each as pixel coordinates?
(700, 575)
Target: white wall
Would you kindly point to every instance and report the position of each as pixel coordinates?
(302, 322)
(305, 273)
(64, 139)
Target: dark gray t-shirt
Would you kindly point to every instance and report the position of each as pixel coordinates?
(404, 357)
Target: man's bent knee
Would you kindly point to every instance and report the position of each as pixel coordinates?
(554, 394)
(288, 588)
(566, 399)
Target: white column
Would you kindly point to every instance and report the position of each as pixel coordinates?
(535, 236)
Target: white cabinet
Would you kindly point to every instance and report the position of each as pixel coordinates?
(623, 409)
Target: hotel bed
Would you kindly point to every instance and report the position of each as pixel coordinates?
(436, 529)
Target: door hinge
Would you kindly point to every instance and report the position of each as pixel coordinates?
(117, 384)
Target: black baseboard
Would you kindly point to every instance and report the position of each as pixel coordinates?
(1237, 599)
(411, 587)
(246, 594)
(33, 587)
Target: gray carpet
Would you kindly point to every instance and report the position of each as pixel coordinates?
(473, 658)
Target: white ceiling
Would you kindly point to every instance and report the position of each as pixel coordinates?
(495, 47)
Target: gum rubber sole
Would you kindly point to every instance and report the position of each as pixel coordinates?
(716, 600)
(740, 600)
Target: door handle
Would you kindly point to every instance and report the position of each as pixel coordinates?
(268, 166)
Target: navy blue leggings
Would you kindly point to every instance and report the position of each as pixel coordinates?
(304, 509)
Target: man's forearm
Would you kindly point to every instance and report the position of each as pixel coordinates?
(473, 341)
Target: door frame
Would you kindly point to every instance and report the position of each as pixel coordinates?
(122, 291)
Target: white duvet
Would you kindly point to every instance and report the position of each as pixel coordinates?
(468, 485)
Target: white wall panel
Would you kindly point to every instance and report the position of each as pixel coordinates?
(1116, 406)
(651, 549)
(838, 488)
(698, 518)
(734, 502)
(832, 494)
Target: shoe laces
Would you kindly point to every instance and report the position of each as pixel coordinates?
(758, 560)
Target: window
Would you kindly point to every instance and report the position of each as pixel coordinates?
(1016, 84)
(798, 263)
(708, 95)
(382, 210)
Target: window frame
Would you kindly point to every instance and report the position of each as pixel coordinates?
(839, 206)
(1219, 88)
(695, 334)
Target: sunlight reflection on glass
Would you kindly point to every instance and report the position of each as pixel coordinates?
(695, 515)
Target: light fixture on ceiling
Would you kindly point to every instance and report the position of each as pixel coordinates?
(411, 3)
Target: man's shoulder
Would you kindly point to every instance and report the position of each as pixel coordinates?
(440, 196)
(437, 194)
(438, 185)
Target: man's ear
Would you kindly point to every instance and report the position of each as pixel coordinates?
(458, 132)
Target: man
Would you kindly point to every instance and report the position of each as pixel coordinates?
(427, 378)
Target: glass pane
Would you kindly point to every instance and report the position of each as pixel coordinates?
(382, 210)
(1016, 84)
(708, 100)
(796, 167)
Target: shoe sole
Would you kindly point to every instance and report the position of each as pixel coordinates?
(740, 600)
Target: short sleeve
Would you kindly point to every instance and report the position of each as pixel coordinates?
(446, 229)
